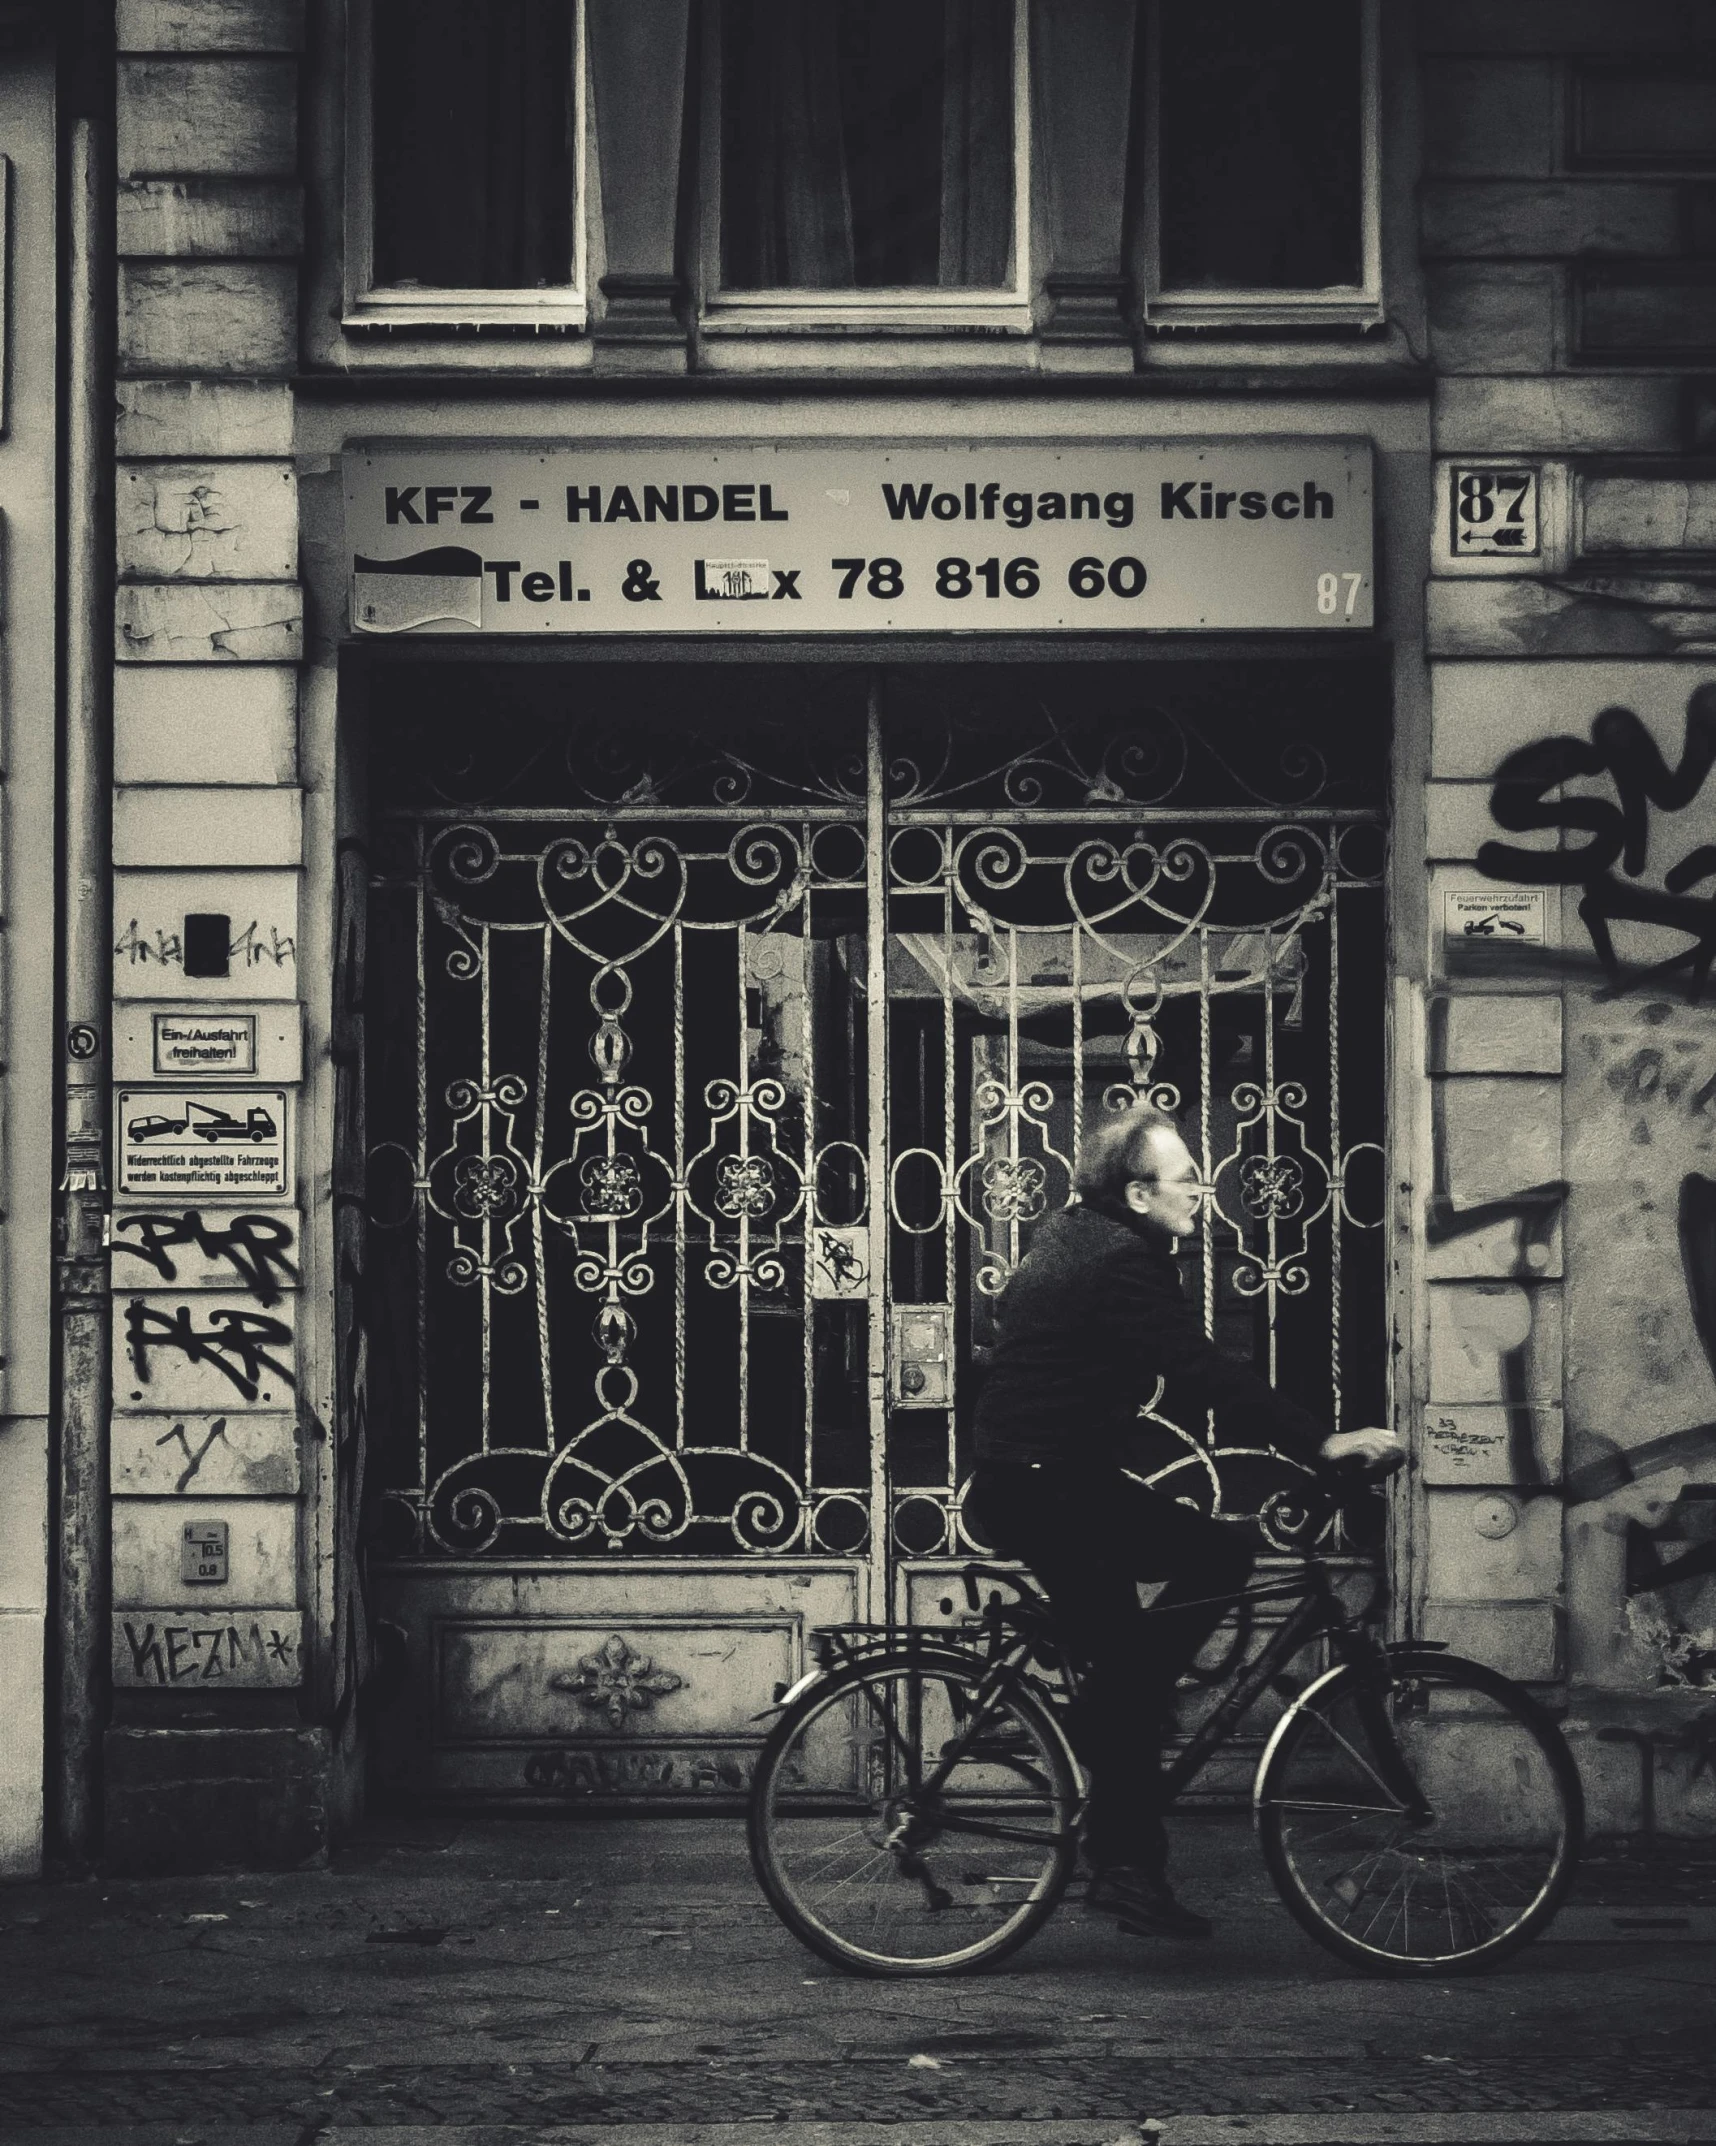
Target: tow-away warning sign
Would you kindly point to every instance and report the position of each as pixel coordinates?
(215, 1143)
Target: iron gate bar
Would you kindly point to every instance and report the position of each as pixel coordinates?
(876, 1154)
(1147, 963)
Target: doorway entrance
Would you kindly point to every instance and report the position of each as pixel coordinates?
(729, 1028)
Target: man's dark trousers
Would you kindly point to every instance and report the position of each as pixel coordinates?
(1089, 1536)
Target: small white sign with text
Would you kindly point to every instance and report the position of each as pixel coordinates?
(205, 1043)
(1506, 916)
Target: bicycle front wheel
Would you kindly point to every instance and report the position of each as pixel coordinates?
(1424, 1823)
(906, 1821)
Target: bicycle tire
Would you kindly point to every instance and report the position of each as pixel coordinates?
(832, 1784)
(1485, 1869)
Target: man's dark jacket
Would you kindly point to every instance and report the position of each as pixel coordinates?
(1094, 1315)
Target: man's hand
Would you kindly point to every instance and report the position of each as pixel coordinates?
(1377, 1451)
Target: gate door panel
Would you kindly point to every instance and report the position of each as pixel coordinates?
(729, 1031)
(1088, 905)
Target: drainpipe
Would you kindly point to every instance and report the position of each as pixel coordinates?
(82, 1308)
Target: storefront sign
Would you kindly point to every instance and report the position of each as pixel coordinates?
(219, 1143)
(992, 536)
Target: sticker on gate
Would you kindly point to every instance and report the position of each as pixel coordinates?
(840, 1260)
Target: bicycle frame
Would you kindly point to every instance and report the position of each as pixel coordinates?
(1318, 1610)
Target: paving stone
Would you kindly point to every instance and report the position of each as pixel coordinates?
(597, 1979)
(876, 2090)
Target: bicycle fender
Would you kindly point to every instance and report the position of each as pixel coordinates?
(1316, 1685)
(927, 1657)
(794, 1691)
(1397, 1650)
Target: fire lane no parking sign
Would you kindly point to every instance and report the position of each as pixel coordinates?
(213, 1143)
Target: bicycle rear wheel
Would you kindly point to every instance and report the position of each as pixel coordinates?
(1426, 1824)
(904, 1823)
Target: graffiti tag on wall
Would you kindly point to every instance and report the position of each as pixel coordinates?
(1619, 829)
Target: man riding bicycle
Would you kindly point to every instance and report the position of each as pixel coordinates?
(1092, 1318)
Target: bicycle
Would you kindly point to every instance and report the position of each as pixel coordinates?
(915, 1807)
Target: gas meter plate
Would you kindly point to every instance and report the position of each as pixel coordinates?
(204, 1559)
(202, 1143)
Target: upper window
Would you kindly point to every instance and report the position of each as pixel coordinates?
(870, 157)
(466, 157)
(1261, 149)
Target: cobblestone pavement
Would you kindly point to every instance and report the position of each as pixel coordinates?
(875, 2089)
(626, 1973)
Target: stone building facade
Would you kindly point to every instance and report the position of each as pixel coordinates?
(619, 912)
(28, 640)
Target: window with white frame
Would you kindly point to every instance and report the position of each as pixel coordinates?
(867, 161)
(465, 163)
(1261, 164)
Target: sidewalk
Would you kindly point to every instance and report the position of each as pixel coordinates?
(487, 1981)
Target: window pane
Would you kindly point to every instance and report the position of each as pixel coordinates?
(1260, 145)
(866, 144)
(473, 143)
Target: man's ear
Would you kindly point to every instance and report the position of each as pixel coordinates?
(1138, 1196)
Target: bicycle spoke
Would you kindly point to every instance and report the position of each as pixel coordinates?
(1307, 1803)
(895, 1740)
(1357, 1757)
(1360, 1890)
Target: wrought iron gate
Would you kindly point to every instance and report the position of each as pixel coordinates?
(728, 1032)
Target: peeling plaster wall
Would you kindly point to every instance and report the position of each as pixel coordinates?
(208, 853)
(1574, 1071)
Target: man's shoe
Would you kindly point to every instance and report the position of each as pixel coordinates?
(1144, 1904)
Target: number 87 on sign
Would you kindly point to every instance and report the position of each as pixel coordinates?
(1494, 513)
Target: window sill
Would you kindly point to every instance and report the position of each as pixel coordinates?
(1263, 309)
(863, 313)
(441, 312)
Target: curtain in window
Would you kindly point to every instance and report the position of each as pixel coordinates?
(977, 145)
(1260, 153)
(866, 144)
(472, 143)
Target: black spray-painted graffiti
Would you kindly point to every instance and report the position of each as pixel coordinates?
(249, 949)
(258, 1247)
(1621, 749)
(595, 1773)
(234, 1343)
(1536, 1210)
(1614, 1470)
(182, 1653)
(193, 1460)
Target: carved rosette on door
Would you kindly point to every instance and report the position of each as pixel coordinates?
(616, 1682)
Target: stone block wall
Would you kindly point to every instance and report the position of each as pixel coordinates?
(1568, 191)
(208, 1759)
